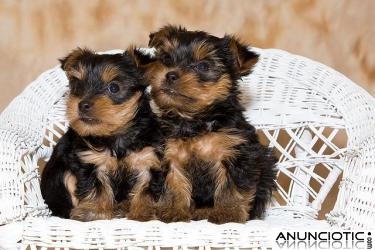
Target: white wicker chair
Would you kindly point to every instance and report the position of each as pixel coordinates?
(300, 106)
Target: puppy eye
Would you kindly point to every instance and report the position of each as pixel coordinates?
(113, 88)
(166, 60)
(203, 66)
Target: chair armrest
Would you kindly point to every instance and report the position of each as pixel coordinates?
(355, 204)
(10, 177)
(23, 126)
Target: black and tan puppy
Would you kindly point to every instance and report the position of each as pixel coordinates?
(217, 169)
(107, 164)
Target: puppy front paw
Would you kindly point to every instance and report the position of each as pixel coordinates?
(224, 215)
(85, 214)
(174, 215)
(121, 209)
(144, 216)
(201, 213)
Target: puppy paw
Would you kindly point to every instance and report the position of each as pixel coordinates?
(84, 214)
(121, 209)
(144, 216)
(201, 213)
(174, 215)
(221, 216)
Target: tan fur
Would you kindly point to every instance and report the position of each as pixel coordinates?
(229, 200)
(169, 44)
(175, 205)
(72, 60)
(143, 160)
(221, 179)
(158, 38)
(109, 73)
(177, 152)
(70, 182)
(113, 118)
(203, 50)
(121, 209)
(131, 52)
(97, 204)
(177, 180)
(216, 146)
(212, 147)
(155, 73)
(173, 44)
(140, 205)
(163, 40)
(192, 96)
(72, 108)
(206, 93)
(79, 72)
(243, 65)
(102, 158)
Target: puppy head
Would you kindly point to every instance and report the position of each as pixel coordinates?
(105, 91)
(194, 70)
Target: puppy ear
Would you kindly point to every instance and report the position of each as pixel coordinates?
(70, 61)
(244, 58)
(143, 61)
(161, 36)
(140, 58)
(72, 64)
(151, 39)
(158, 38)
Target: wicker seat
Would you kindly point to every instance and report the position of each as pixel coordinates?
(319, 123)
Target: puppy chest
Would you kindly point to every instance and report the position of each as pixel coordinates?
(141, 161)
(103, 159)
(211, 148)
(134, 172)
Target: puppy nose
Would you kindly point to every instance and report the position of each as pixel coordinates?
(84, 106)
(172, 77)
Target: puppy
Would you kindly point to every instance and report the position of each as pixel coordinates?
(217, 169)
(108, 162)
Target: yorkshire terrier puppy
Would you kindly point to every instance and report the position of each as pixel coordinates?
(108, 162)
(217, 169)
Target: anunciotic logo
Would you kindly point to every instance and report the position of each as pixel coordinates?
(323, 240)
